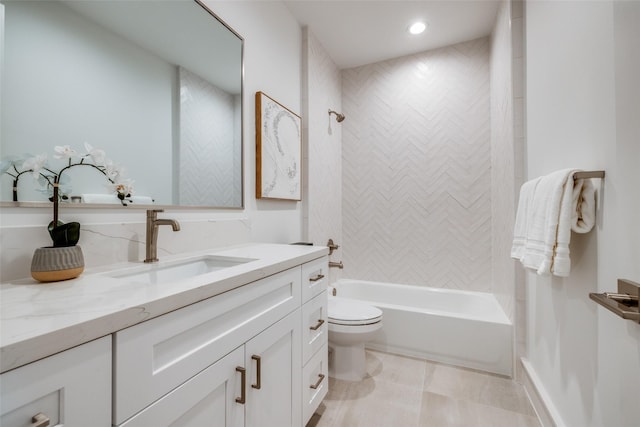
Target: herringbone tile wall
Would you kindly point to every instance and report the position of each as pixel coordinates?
(416, 169)
(209, 168)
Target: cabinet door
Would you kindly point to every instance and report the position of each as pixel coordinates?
(208, 399)
(273, 360)
(72, 388)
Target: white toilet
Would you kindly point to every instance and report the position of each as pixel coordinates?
(351, 324)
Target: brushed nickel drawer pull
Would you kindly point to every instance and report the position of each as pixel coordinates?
(243, 385)
(258, 375)
(320, 323)
(316, 278)
(317, 384)
(40, 420)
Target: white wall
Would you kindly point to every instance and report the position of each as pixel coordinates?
(322, 91)
(582, 111)
(502, 162)
(272, 64)
(272, 55)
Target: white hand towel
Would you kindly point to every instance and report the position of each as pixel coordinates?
(549, 208)
(100, 198)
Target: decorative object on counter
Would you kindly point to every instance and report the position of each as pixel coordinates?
(49, 179)
(52, 264)
(63, 260)
(278, 147)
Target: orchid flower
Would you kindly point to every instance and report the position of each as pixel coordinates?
(64, 152)
(35, 164)
(5, 165)
(97, 155)
(112, 171)
(123, 188)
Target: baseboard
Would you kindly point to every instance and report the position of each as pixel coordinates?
(542, 404)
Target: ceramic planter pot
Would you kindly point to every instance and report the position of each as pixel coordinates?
(52, 264)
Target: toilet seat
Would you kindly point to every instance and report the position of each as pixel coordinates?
(348, 312)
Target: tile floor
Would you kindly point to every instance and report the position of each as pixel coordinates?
(409, 392)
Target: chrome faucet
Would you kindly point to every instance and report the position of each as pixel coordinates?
(152, 233)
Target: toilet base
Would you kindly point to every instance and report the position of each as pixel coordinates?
(347, 363)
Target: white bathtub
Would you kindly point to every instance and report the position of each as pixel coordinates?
(461, 328)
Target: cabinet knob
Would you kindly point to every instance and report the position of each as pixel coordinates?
(40, 420)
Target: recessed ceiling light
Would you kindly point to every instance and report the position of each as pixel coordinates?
(417, 28)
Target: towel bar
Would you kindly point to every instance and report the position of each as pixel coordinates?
(624, 303)
(588, 174)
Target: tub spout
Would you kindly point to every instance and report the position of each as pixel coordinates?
(336, 264)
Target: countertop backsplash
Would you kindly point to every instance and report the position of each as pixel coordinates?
(104, 244)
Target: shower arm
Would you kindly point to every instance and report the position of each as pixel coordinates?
(339, 117)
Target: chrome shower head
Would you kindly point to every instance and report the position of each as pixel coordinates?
(339, 117)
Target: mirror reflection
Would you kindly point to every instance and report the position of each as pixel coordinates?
(154, 88)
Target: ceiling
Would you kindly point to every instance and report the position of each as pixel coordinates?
(359, 32)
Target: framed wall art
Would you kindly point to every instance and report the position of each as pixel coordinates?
(278, 150)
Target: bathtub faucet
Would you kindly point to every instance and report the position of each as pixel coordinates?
(332, 246)
(336, 264)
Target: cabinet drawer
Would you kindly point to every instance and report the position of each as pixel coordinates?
(314, 325)
(315, 383)
(156, 356)
(72, 388)
(315, 278)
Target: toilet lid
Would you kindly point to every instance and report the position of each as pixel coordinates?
(344, 311)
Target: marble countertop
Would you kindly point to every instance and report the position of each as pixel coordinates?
(41, 319)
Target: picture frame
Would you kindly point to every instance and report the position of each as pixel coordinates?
(278, 150)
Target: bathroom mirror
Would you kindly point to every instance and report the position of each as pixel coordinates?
(156, 84)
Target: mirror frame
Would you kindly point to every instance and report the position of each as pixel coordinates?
(42, 204)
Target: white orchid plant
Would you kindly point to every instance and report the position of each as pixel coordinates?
(38, 167)
(57, 184)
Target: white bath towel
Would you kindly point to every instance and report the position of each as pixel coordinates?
(550, 207)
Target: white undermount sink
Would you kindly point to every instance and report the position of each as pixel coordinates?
(178, 270)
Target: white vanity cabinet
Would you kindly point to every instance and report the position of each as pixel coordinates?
(72, 388)
(236, 359)
(252, 353)
(315, 372)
